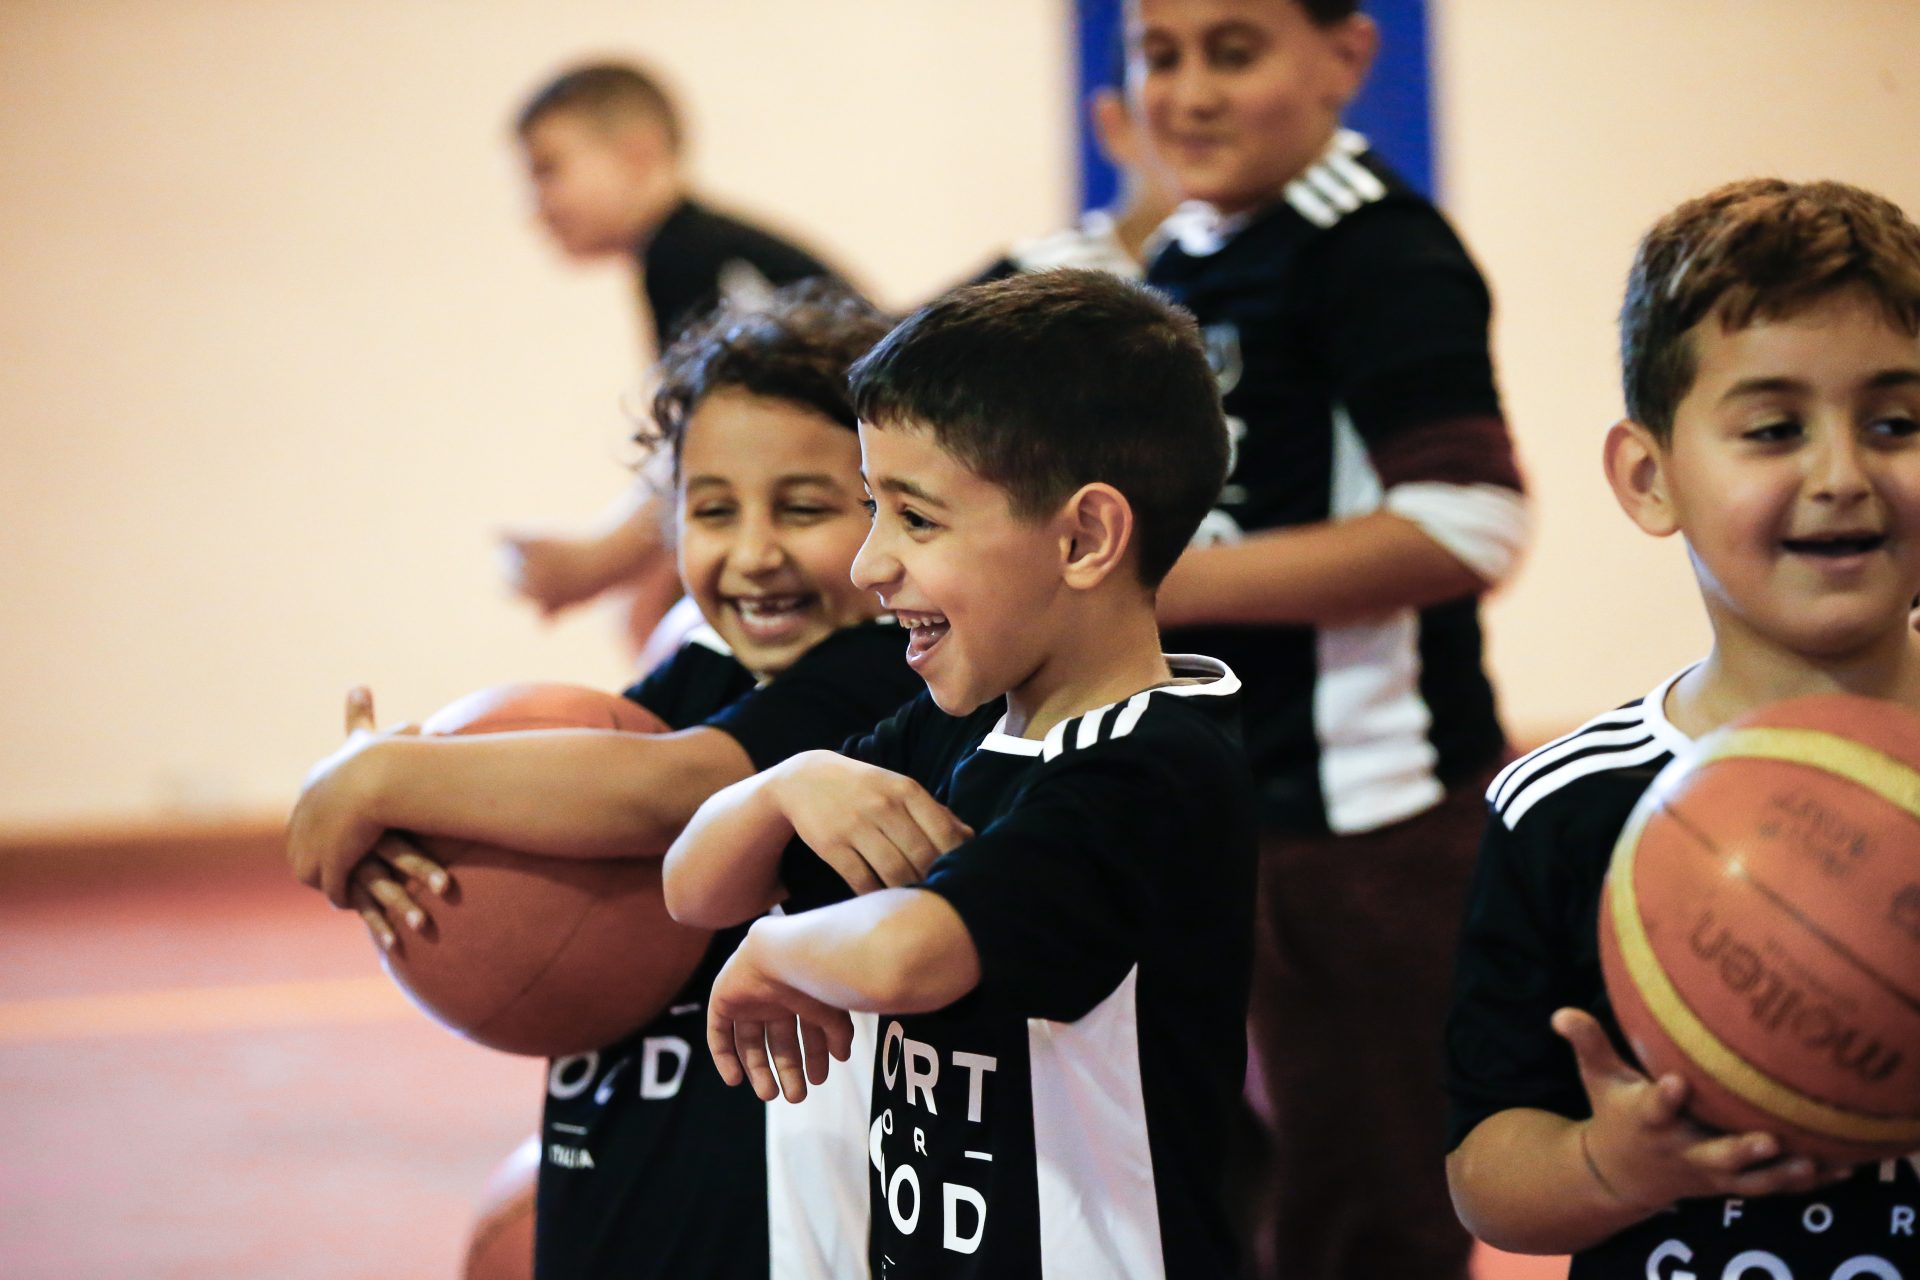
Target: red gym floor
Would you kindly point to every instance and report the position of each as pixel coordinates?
(205, 1077)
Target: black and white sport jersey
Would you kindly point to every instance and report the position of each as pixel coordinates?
(699, 255)
(1531, 945)
(650, 1166)
(1068, 1116)
(1348, 329)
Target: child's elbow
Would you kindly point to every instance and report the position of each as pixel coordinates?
(914, 969)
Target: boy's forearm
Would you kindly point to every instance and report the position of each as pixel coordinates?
(1322, 574)
(1522, 1182)
(894, 951)
(560, 793)
(724, 867)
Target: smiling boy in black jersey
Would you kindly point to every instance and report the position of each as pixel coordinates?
(1053, 846)
(1770, 340)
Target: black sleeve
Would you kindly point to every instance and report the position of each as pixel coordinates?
(1514, 969)
(691, 685)
(1404, 317)
(1060, 895)
(843, 686)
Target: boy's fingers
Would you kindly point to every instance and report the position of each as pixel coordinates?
(720, 1046)
(1663, 1103)
(1734, 1152)
(813, 1041)
(943, 830)
(783, 1046)
(370, 877)
(1789, 1177)
(839, 1031)
(1592, 1051)
(853, 867)
(405, 857)
(750, 1042)
(375, 919)
(359, 708)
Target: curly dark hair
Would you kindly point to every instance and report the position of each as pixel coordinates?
(1760, 249)
(795, 346)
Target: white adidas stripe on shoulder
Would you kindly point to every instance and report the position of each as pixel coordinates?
(1336, 184)
(1626, 726)
(1620, 739)
(1544, 785)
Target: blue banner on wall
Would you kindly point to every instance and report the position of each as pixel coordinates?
(1395, 110)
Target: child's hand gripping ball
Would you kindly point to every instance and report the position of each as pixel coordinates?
(537, 955)
(1760, 927)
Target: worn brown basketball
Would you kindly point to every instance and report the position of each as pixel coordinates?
(500, 1246)
(1760, 928)
(542, 955)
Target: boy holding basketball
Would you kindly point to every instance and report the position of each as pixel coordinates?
(650, 1167)
(1054, 843)
(1770, 344)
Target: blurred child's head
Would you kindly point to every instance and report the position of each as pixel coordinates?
(602, 149)
(1770, 350)
(768, 505)
(1028, 441)
(1240, 97)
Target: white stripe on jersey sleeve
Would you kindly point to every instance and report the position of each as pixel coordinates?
(1619, 717)
(1090, 726)
(1539, 763)
(1099, 1210)
(1546, 784)
(1484, 526)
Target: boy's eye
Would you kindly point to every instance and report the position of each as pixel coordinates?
(1232, 55)
(711, 511)
(914, 520)
(1897, 425)
(805, 512)
(1772, 432)
(869, 506)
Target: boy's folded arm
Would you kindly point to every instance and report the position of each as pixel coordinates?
(563, 793)
(1317, 574)
(892, 951)
(724, 866)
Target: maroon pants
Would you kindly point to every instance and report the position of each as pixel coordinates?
(1353, 966)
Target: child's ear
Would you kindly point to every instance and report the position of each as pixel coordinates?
(1097, 530)
(1636, 467)
(1354, 40)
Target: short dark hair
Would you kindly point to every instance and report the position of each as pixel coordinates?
(1325, 13)
(606, 93)
(795, 345)
(1051, 380)
(1759, 249)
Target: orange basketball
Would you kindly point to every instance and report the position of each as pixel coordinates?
(1760, 927)
(537, 955)
(501, 1245)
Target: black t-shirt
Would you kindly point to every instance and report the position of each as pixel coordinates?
(1348, 329)
(1531, 946)
(650, 1166)
(688, 263)
(1068, 1116)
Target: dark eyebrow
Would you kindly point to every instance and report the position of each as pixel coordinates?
(812, 477)
(704, 482)
(1886, 379)
(891, 485)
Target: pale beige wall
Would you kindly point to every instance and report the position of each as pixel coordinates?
(278, 348)
(1566, 127)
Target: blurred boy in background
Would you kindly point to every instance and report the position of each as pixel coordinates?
(1373, 498)
(603, 149)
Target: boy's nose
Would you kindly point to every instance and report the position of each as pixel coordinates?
(873, 569)
(757, 549)
(1840, 471)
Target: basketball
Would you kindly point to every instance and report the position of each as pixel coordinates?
(1760, 927)
(501, 1245)
(538, 955)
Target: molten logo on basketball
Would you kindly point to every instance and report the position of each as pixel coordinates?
(1781, 1005)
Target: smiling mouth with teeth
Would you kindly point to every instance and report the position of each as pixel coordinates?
(764, 611)
(1854, 545)
(924, 630)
